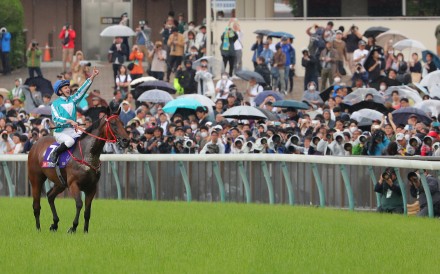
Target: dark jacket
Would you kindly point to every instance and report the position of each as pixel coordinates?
(310, 66)
(231, 50)
(118, 54)
(389, 202)
(264, 71)
(420, 192)
(186, 80)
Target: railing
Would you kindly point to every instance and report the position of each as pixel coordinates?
(261, 178)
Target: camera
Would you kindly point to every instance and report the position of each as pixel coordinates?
(362, 139)
(34, 44)
(386, 174)
(3, 30)
(294, 139)
(22, 116)
(328, 136)
(5, 136)
(348, 147)
(188, 143)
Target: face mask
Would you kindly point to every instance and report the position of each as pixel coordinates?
(337, 80)
(224, 77)
(204, 134)
(390, 52)
(407, 136)
(312, 88)
(353, 129)
(193, 126)
(382, 88)
(8, 105)
(190, 27)
(193, 52)
(399, 58)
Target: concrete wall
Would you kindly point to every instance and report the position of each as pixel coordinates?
(418, 29)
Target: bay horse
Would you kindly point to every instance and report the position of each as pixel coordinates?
(81, 173)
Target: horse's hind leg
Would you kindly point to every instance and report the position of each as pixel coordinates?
(88, 209)
(76, 193)
(37, 181)
(51, 195)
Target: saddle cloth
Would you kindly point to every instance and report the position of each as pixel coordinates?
(63, 160)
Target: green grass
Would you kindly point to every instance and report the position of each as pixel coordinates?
(177, 237)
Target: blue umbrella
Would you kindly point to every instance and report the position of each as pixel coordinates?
(401, 115)
(291, 104)
(186, 103)
(279, 34)
(435, 58)
(263, 95)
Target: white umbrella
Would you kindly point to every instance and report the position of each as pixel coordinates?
(155, 96)
(141, 80)
(431, 80)
(117, 31)
(358, 96)
(387, 36)
(404, 92)
(408, 43)
(429, 106)
(365, 116)
(244, 112)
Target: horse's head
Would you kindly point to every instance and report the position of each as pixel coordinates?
(118, 131)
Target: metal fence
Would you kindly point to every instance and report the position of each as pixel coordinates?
(276, 179)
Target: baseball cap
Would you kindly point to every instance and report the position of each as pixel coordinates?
(338, 32)
(362, 42)
(284, 38)
(400, 136)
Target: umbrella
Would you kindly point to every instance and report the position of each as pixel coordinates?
(42, 110)
(269, 114)
(390, 82)
(279, 34)
(370, 104)
(185, 103)
(244, 112)
(431, 80)
(429, 106)
(358, 96)
(404, 92)
(157, 84)
(215, 66)
(263, 32)
(290, 104)
(365, 117)
(155, 96)
(139, 81)
(263, 95)
(102, 101)
(401, 115)
(43, 85)
(434, 91)
(408, 43)
(421, 89)
(248, 74)
(117, 31)
(326, 93)
(374, 31)
(435, 57)
(395, 36)
(202, 99)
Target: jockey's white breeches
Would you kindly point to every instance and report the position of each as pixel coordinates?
(67, 136)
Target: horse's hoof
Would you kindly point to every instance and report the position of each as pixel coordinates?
(86, 231)
(53, 228)
(38, 229)
(71, 230)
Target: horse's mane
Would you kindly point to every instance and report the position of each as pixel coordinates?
(93, 126)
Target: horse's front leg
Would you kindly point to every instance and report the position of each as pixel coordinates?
(76, 193)
(88, 209)
(51, 195)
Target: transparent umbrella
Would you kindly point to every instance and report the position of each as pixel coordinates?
(404, 92)
(365, 117)
(429, 106)
(359, 96)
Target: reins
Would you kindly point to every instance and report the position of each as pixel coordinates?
(108, 131)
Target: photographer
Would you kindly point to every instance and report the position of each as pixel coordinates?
(222, 87)
(391, 199)
(158, 58)
(143, 33)
(359, 73)
(67, 36)
(417, 191)
(214, 146)
(33, 54)
(5, 46)
(6, 143)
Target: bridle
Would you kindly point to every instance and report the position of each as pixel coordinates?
(108, 132)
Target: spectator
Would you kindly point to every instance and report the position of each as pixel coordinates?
(176, 44)
(228, 52)
(182, 25)
(415, 67)
(238, 45)
(80, 69)
(143, 41)
(391, 195)
(340, 47)
(116, 101)
(417, 191)
(253, 90)
(33, 54)
(214, 145)
(123, 80)
(117, 52)
(279, 61)
(310, 65)
(262, 69)
(190, 42)
(429, 65)
(222, 87)
(267, 53)
(201, 41)
(360, 54)
(67, 36)
(289, 65)
(94, 112)
(158, 63)
(205, 85)
(5, 38)
(377, 67)
(17, 91)
(311, 95)
(352, 38)
(6, 143)
(124, 22)
(166, 30)
(33, 98)
(127, 114)
(328, 64)
(136, 56)
(257, 48)
(187, 78)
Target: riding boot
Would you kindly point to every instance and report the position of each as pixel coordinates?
(57, 152)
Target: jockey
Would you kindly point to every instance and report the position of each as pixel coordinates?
(64, 114)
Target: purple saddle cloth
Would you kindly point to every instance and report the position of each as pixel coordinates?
(63, 160)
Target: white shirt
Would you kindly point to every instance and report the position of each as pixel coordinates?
(237, 44)
(254, 90)
(220, 145)
(123, 78)
(3, 147)
(358, 53)
(223, 85)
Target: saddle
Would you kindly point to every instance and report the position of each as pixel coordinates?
(63, 160)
